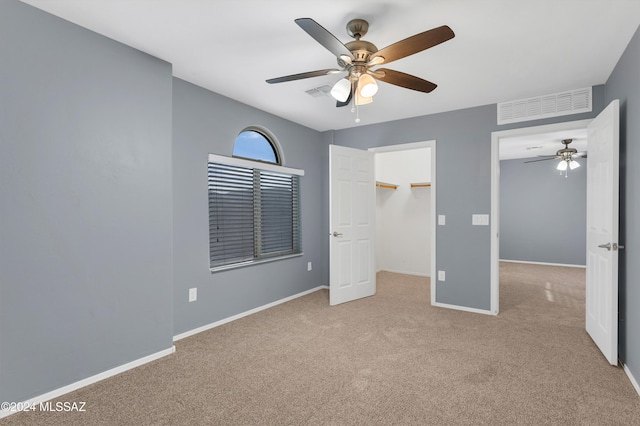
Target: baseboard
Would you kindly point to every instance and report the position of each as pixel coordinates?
(395, 271)
(244, 314)
(463, 308)
(543, 263)
(633, 380)
(89, 380)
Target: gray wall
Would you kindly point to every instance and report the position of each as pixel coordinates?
(624, 84)
(203, 123)
(103, 217)
(543, 214)
(463, 173)
(85, 211)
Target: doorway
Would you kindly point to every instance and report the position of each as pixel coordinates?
(602, 222)
(352, 206)
(405, 209)
(561, 130)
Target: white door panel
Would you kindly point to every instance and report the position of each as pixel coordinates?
(352, 224)
(602, 231)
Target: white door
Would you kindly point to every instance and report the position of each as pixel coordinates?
(352, 224)
(602, 231)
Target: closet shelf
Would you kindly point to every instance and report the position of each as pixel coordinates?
(386, 185)
(420, 185)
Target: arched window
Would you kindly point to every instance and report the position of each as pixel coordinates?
(254, 204)
(256, 145)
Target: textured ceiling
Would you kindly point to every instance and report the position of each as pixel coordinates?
(503, 49)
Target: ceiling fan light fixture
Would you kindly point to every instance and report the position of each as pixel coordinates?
(573, 164)
(362, 100)
(367, 86)
(562, 165)
(341, 90)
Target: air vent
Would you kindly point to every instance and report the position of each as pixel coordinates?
(553, 105)
(318, 92)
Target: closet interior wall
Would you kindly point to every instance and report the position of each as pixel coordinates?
(403, 213)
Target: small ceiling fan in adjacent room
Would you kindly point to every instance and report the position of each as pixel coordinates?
(358, 58)
(566, 155)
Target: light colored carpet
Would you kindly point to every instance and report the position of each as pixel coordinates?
(391, 359)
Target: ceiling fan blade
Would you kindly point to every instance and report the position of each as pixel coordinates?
(300, 76)
(401, 79)
(581, 154)
(324, 37)
(415, 44)
(541, 159)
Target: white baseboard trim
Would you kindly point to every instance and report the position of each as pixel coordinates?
(633, 380)
(244, 314)
(395, 271)
(89, 380)
(543, 263)
(463, 308)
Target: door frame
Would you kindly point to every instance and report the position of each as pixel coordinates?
(495, 193)
(416, 145)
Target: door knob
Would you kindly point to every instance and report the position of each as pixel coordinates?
(607, 246)
(336, 234)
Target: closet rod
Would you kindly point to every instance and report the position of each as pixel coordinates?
(386, 185)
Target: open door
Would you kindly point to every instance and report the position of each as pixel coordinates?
(602, 231)
(352, 224)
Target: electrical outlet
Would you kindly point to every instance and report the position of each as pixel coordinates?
(193, 294)
(441, 275)
(309, 266)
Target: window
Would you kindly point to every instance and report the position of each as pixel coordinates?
(254, 211)
(254, 144)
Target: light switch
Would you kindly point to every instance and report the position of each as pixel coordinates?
(441, 275)
(193, 294)
(480, 219)
(442, 219)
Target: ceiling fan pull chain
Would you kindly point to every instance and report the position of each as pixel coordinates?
(353, 99)
(354, 108)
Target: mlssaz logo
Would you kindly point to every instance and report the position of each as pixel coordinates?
(62, 406)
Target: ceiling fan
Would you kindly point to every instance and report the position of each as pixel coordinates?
(566, 156)
(358, 57)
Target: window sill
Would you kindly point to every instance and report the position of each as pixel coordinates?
(253, 262)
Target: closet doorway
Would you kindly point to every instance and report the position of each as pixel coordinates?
(405, 209)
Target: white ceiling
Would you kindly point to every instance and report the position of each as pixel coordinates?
(541, 144)
(503, 49)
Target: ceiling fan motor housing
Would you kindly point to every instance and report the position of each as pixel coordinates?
(566, 153)
(361, 50)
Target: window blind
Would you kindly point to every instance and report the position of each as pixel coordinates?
(254, 213)
(231, 232)
(279, 213)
